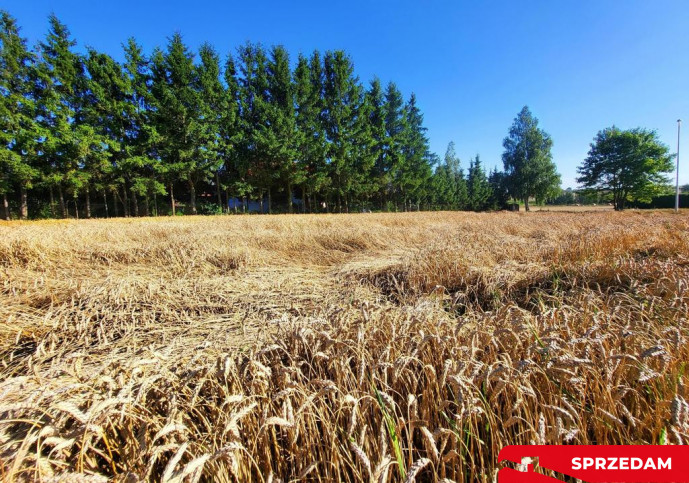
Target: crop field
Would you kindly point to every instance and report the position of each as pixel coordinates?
(368, 347)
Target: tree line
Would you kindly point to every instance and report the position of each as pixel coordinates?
(82, 130)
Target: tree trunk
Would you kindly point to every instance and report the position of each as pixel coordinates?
(88, 204)
(218, 191)
(270, 201)
(526, 204)
(5, 206)
(76, 206)
(125, 201)
(135, 202)
(290, 208)
(105, 203)
(52, 203)
(303, 199)
(24, 205)
(155, 204)
(63, 207)
(192, 196)
(114, 204)
(260, 202)
(172, 200)
(146, 208)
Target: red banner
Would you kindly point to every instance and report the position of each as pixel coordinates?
(599, 464)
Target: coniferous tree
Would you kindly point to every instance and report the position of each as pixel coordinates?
(415, 171)
(59, 70)
(479, 191)
(499, 192)
(132, 130)
(231, 136)
(378, 134)
(342, 98)
(104, 110)
(280, 137)
(141, 155)
(453, 185)
(308, 82)
(255, 165)
(395, 130)
(213, 107)
(363, 153)
(177, 117)
(19, 133)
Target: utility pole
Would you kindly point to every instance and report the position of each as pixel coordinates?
(679, 124)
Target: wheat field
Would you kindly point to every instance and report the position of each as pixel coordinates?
(370, 347)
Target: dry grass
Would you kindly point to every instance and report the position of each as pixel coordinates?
(325, 348)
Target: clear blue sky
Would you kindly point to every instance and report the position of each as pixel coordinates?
(579, 65)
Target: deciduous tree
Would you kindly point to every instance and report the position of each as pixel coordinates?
(629, 165)
(529, 168)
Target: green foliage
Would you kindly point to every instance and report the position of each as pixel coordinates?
(478, 189)
(19, 131)
(346, 129)
(177, 116)
(79, 125)
(528, 161)
(629, 165)
(449, 184)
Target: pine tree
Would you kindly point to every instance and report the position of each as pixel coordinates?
(87, 124)
(19, 133)
(363, 154)
(104, 107)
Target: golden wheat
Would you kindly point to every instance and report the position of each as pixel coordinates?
(391, 347)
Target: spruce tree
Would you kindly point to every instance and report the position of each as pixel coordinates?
(231, 136)
(457, 197)
(377, 125)
(141, 156)
(19, 133)
(395, 130)
(416, 169)
(343, 99)
(59, 70)
(280, 138)
(177, 116)
(213, 109)
(479, 190)
(308, 84)
(254, 164)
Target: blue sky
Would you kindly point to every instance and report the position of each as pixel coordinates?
(579, 65)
